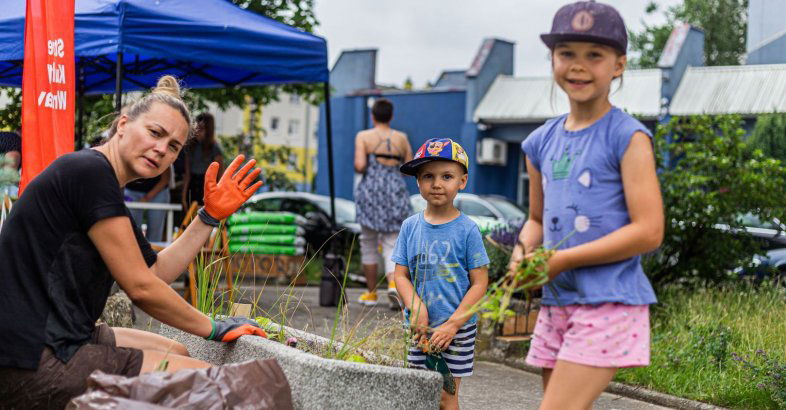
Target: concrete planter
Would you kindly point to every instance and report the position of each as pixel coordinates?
(319, 383)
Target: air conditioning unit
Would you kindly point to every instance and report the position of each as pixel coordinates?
(492, 152)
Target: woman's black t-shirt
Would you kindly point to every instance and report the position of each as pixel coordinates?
(53, 282)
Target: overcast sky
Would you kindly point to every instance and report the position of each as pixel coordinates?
(420, 38)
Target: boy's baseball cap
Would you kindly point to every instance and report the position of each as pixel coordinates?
(588, 21)
(437, 149)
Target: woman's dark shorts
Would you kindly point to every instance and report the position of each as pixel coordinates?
(55, 383)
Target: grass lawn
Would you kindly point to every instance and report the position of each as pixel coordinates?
(695, 335)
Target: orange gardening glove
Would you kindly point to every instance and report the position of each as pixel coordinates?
(230, 329)
(224, 198)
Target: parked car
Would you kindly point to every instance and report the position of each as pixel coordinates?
(488, 211)
(773, 232)
(316, 210)
(772, 262)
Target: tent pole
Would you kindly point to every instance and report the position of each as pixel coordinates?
(329, 127)
(80, 106)
(119, 82)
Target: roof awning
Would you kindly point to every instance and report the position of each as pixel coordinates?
(512, 100)
(746, 90)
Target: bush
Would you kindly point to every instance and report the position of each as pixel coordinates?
(499, 244)
(769, 135)
(709, 176)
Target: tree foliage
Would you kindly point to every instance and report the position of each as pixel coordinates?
(710, 177)
(769, 135)
(725, 25)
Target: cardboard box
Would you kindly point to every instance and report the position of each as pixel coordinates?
(521, 324)
(282, 268)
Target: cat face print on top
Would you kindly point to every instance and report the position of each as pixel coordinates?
(582, 223)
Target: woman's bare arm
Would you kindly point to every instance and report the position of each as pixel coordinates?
(174, 259)
(360, 154)
(114, 238)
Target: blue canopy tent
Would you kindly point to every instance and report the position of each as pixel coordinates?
(125, 45)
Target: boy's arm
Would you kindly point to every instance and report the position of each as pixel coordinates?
(479, 281)
(417, 309)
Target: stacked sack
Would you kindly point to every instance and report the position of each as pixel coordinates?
(269, 233)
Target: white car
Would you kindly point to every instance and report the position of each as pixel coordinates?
(488, 211)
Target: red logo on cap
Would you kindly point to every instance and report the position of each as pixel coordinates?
(582, 21)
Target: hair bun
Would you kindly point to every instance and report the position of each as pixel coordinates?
(168, 85)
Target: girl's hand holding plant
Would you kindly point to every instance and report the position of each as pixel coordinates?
(556, 263)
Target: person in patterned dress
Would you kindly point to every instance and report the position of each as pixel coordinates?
(381, 197)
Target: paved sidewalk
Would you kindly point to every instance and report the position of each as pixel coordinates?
(493, 386)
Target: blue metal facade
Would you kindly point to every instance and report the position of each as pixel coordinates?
(421, 115)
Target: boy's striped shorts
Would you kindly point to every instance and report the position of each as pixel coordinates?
(460, 355)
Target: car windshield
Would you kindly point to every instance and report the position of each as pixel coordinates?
(509, 210)
(345, 210)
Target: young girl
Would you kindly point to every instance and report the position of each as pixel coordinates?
(592, 181)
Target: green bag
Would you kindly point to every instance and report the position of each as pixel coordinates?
(264, 229)
(281, 218)
(266, 249)
(293, 240)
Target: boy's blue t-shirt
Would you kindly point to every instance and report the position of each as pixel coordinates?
(583, 194)
(439, 258)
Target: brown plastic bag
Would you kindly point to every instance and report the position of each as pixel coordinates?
(255, 384)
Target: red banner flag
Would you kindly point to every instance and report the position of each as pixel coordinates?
(47, 85)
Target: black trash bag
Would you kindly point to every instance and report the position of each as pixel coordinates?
(255, 384)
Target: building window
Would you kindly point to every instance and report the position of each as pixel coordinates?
(294, 126)
(294, 99)
(273, 123)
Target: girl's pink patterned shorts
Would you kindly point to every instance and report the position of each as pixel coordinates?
(605, 335)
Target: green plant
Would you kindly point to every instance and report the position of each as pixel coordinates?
(709, 178)
(694, 335)
(532, 273)
(768, 373)
(499, 244)
(769, 135)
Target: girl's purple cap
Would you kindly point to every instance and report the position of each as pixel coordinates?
(588, 21)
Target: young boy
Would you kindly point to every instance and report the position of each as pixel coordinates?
(441, 264)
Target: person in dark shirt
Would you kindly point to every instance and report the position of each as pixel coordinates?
(11, 149)
(70, 236)
(154, 190)
(198, 156)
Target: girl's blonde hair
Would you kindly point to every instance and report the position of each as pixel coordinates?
(167, 91)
